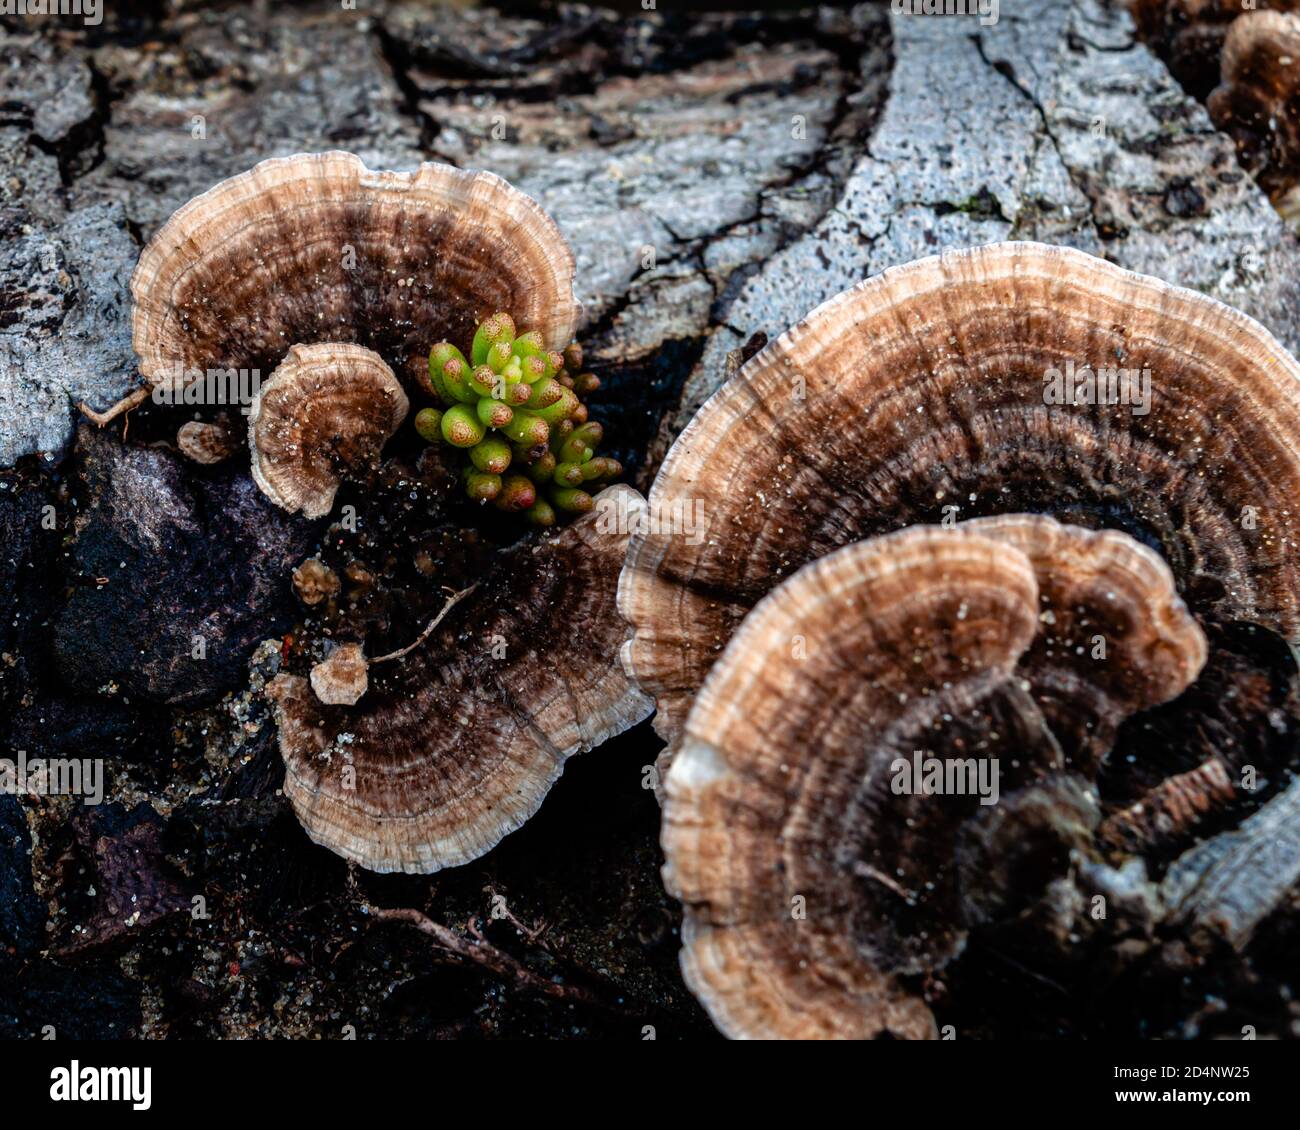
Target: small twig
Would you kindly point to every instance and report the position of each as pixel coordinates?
(132, 400)
(424, 635)
(868, 872)
(534, 935)
(1171, 809)
(478, 950)
(1022, 968)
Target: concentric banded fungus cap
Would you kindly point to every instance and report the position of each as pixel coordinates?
(1258, 102)
(932, 392)
(342, 677)
(324, 415)
(204, 443)
(1113, 637)
(455, 744)
(316, 248)
(814, 885)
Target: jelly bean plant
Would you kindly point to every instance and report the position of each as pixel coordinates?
(515, 409)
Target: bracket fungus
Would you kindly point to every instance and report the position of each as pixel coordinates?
(314, 581)
(326, 413)
(457, 740)
(1258, 102)
(204, 443)
(317, 248)
(826, 889)
(338, 280)
(1190, 34)
(341, 678)
(1014, 377)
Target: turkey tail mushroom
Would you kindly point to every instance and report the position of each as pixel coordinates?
(204, 443)
(817, 890)
(457, 740)
(316, 258)
(1009, 378)
(340, 280)
(324, 415)
(1258, 102)
(316, 248)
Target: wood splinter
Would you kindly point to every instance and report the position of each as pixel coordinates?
(1174, 806)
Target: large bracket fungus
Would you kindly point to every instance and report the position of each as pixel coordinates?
(317, 248)
(1009, 378)
(455, 743)
(823, 899)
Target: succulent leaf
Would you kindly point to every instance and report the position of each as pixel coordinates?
(516, 406)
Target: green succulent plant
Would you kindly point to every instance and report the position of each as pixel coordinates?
(514, 407)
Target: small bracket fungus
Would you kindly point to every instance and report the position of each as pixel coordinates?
(204, 443)
(1013, 377)
(314, 581)
(318, 248)
(828, 871)
(459, 738)
(1258, 102)
(324, 415)
(342, 678)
